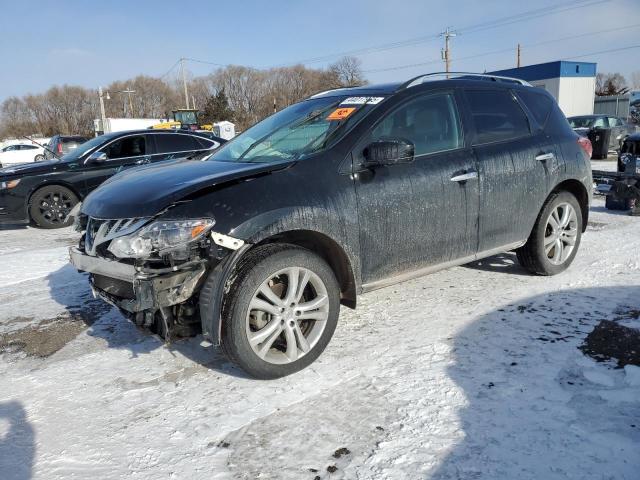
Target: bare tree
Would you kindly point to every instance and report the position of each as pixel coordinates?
(611, 84)
(153, 98)
(66, 109)
(347, 72)
(250, 94)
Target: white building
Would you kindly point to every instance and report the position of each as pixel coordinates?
(572, 84)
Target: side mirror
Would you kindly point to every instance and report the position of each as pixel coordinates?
(389, 152)
(95, 158)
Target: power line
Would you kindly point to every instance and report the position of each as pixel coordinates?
(473, 28)
(195, 60)
(171, 69)
(619, 49)
(493, 52)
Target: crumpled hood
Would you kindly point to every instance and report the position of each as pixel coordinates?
(32, 168)
(145, 191)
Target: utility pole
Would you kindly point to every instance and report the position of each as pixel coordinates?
(518, 61)
(274, 105)
(446, 52)
(103, 115)
(128, 92)
(184, 82)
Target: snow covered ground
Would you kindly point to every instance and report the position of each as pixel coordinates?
(473, 372)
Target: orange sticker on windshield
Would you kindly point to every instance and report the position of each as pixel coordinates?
(341, 113)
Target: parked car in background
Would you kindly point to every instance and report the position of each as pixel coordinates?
(348, 191)
(20, 153)
(629, 153)
(60, 145)
(45, 192)
(605, 132)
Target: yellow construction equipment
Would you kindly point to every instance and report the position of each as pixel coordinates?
(183, 119)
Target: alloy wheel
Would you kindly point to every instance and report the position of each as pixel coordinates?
(561, 233)
(287, 315)
(55, 206)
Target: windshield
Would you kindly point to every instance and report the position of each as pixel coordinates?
(301, 129)
(582, 122)
(188, 118)
(83, 148)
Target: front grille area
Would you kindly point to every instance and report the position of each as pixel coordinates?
(113, 286)
(100, 232)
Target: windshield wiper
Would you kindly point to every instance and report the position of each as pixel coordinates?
(40, 145)
(310, 117)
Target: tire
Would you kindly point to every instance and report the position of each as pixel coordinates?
(49, 206)
(553, 259)
(283, 351)
(38, 158)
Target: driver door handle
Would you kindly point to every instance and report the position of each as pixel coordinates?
(543, 157)
(465, 176)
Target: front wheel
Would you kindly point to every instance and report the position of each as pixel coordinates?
(50, 206)
(555, 238)
(280, 312)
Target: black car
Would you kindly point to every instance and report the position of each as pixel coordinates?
(60, 145)
(45, 192)
(605, 132)
(346, 192)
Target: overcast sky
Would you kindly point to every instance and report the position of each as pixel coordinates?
(92, 43)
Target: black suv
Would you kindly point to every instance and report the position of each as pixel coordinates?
(60, 145)
(348, 191)
(45, 192)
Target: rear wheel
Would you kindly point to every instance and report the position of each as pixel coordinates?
(50, 206)
(555, 238)
(280, 312)
(38, 158)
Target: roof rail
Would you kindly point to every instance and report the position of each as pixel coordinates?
(460, 75)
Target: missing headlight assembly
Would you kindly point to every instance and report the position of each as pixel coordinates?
(150, 268)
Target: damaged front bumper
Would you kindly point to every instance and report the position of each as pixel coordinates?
(140, 289)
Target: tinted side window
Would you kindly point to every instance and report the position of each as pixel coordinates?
(126, 147)
(538, 104)
(204, 143)
(496, 116)
(168, 143)
(430, 122)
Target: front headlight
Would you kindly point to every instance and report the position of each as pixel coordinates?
(159, 237)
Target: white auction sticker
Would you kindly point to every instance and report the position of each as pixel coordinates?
(361, 100)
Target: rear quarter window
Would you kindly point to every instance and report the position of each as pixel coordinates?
(496, 116)
(538, 104)
(175, 143)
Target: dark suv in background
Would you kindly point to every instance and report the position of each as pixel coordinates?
(60, 145)
(45, 192)
(348, 191)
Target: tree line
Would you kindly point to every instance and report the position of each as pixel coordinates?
(616, 84)
(243, 95)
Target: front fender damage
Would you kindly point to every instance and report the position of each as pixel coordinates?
(213, 291)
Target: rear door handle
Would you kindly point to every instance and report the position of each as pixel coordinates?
(465, 176)
(543, 157)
